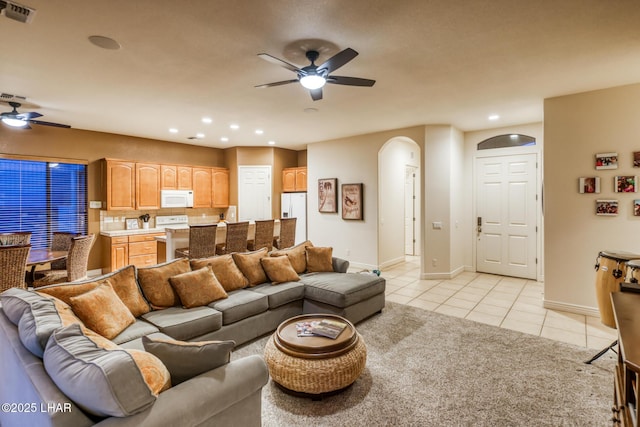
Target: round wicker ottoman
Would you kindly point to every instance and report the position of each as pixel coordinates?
(315, 365)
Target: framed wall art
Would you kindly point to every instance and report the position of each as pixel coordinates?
(589, 184)
(131, 223)
(636, 159)
(625, 184)
(606, 207)
(636, 207)
(328, 195)
(352, 201)
(607, 161)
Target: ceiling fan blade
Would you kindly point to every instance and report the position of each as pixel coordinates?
(285, 82)
(316, 94)
(58, 125)
(350, 81)
(28, 116)
(279, 62)
(338, 60)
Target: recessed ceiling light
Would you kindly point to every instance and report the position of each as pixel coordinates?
(105, 42)
(494, 117)
(234, 126)
(259, 131)
(271, 143)
(207, 120)
(173, 130)
(199, 135)
(224, 139)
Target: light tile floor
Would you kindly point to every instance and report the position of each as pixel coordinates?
(506, 302)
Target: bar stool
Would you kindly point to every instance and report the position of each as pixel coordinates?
(202, 242)
(236, 240)
(287, 236)
(264, 235)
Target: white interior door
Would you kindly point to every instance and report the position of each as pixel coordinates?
(410, 210)
(506, 215)
(254, 193)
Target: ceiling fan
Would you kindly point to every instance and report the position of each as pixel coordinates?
(22, 120)
(314, 77)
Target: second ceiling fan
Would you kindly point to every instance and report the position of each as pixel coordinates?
(314, 77)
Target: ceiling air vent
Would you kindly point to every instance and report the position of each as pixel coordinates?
(7, 97)
(16, 11)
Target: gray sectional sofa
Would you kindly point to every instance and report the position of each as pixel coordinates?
(227, 395)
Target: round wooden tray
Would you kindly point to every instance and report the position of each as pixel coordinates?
(286, 339)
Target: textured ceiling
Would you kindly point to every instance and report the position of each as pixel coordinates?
(435, 62)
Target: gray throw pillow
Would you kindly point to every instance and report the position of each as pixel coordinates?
(185, 360)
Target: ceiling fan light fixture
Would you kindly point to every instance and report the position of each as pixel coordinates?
(13, 122)
(312, 81)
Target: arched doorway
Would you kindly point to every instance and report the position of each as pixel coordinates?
(398, 201)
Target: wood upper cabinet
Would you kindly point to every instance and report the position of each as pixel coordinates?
(147, 186)
(174, 177)
(220, 185)
(120, 184)
(294, 179)
(202, 187)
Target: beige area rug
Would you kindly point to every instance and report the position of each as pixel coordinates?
(427, 369)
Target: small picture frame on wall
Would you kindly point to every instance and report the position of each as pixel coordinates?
(590, 184)
(352, 201)
(607, 161)
(607, 207)
(131, 223)
(625, 184)
(636, 207)
(636, 159)
(328, 195)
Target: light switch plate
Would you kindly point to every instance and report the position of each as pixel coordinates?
(95, 204)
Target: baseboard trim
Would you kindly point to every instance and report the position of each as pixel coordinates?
(571, 308)
(94, 273)
(392, 262)
(442, 276)
(362, 266)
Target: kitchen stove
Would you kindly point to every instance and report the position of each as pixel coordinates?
(172, 221)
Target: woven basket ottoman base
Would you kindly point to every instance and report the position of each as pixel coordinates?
(315, 376)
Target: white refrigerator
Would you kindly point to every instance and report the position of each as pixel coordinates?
(294, 205)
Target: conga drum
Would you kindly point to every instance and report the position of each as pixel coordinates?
(633, 271)
(611, 270)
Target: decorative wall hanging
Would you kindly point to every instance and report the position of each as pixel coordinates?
(636, 159)
(636, 207)
(328, 195)
(589, 184)
(607, 161)
(606, 207)
(625, 184)
(352, 201)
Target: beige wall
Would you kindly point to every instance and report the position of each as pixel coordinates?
(577, 127)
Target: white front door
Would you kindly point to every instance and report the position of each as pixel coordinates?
(506, 215)
(254, 193)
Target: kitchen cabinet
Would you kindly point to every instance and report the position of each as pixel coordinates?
(220, 186)
(294, 179)
(174, 177)
(137, 249)
(120, 184)
(147, 186)
(202, 187)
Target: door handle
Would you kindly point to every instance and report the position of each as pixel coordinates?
(479, 222)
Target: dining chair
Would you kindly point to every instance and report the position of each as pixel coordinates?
(263, 236)
(13, 263)
(287, 237)
(61, 241)
(15, 238)
(236, 240)
(77, 262)
(202, 242)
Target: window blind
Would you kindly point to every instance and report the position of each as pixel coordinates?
(42, 197)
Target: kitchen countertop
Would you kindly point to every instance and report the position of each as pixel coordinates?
(116, 233)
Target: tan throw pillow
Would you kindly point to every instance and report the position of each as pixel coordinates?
(198, 288)
(226, 271)
(249, 264)
(297, 256)
(185, 360)
(319, 259)
(155, 285)
(102, 311)
(279, 269)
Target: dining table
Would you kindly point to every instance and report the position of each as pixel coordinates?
(43, 256)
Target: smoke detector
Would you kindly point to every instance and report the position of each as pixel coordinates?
(16, 11)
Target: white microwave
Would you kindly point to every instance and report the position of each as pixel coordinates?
(176, 198)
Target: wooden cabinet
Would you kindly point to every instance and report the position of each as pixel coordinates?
(120, 184)
(294, 179)
(147, 186)
(220, 186)
(175, 177)
(138, 249)
(202, 187)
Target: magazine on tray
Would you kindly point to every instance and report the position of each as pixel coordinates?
(329, 328)
(305, 329)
